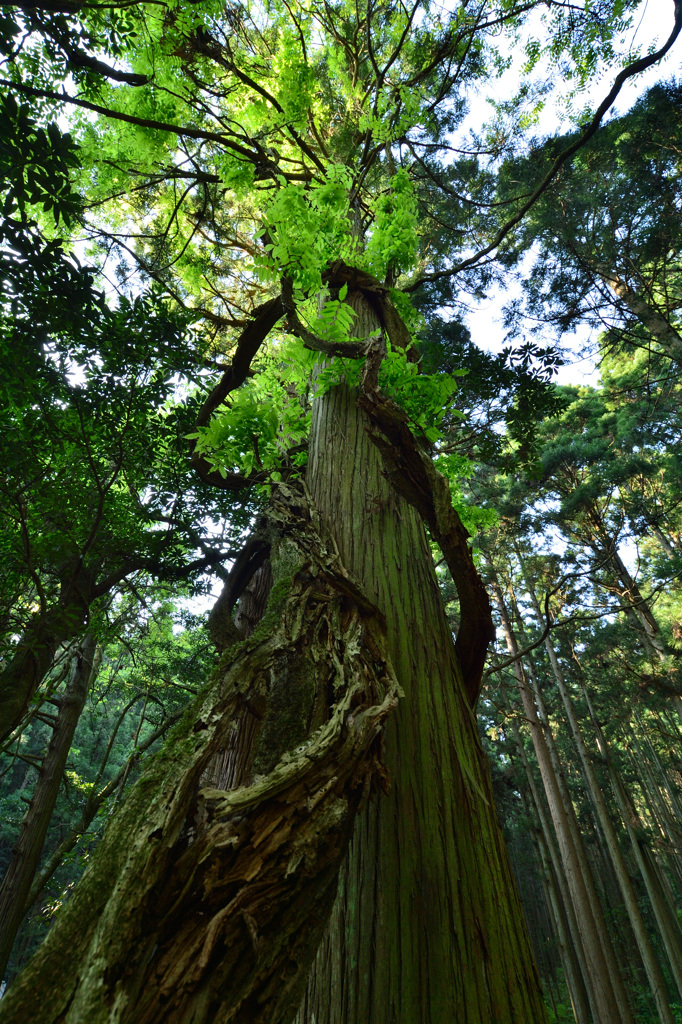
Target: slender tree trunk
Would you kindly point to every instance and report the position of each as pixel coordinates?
(427, 927)
(651, 965)
(674, 810)
(93, 802)
(27, 851)
(655, 323)
(575, 964)
(667, 925)
(667, 822)
(607, 990)
(32, 659)
(557, 919)
(664, 541)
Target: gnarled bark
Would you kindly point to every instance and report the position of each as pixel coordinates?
(207, 905)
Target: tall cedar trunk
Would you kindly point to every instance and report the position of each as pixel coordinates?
(651, 965)
(208, 906)
(619, 947)
(676, 816)
(609, 1002)
(557, 919)
(427, 926)
(23, 864)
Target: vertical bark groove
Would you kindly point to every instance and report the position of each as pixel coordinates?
(427, 926)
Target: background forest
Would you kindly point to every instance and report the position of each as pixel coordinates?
(163, 168)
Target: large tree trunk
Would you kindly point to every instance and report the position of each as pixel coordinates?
(204, 905)
(208, 906)
(16, 883)
(427, 926)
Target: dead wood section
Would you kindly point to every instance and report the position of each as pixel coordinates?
(208, 905)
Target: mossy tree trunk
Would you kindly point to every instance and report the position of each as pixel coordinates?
(205, 905)
(208, 905)
(427, 926)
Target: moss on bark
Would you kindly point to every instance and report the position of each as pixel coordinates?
(207, 905)
(427, 926)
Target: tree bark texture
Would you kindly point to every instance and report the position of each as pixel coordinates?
(205, 905)
(427, 926)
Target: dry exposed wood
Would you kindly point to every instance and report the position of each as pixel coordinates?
(207, 905)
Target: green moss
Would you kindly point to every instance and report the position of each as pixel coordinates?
(290, 704)
(286, 561)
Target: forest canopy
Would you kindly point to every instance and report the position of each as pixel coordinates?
(238, 247)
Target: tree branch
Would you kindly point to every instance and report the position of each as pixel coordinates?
(635, 68)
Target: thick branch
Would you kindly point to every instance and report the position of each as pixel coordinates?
(222, 629)
(142, 122)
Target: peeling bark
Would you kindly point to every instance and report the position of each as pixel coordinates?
(207, 905)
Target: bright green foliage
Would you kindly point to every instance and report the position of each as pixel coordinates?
(270, 414)
(310, 227)
(394, 241)
(233, 146)
(267, 416)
